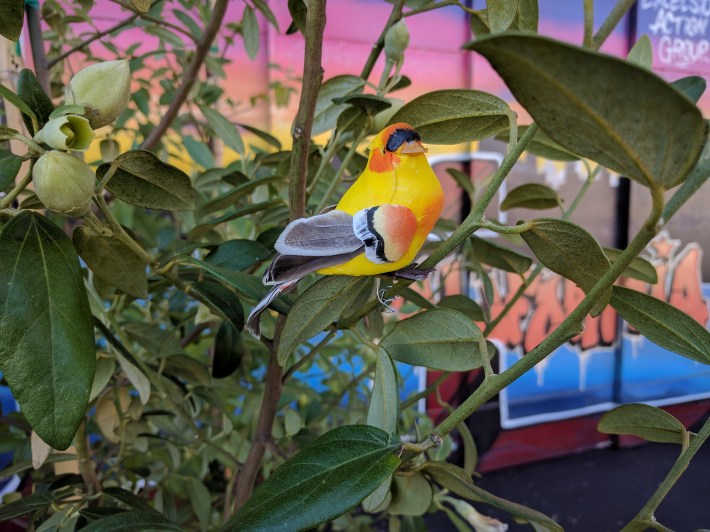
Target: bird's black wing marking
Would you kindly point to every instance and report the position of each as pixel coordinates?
(325, 234)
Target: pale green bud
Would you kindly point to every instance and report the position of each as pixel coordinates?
(104, 89)
(68, 132)
(396, 41)
(63, 183)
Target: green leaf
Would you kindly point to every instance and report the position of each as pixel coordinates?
(569, 250)
(129, 499)
(326, 479)
(531, 196)
(47, 352)
(14, 99)
(262, 6)
(639, 268)
(13, 15)
(201, 501)
(589, 114)
(501, 14)
(246, 285)
(541, 145)
(143, 180)
(453, 116)
(297, 9)
(692, 86)
(663, 324)
(31, 92)
(189, 23)
(439, 338)
(10, 165)
(7, 133)
(327, 111)
(463, 304)
(463, 180)
(369, 103)
(527, 17)
(383, 411)
(198, 151)
(500, 257)
(641, 53)
(416, 298)
(263, 135)
(314, 310)
(223, 129)
(36, 501)
(238, 254)
(457, 481)
(111, 260)
(250, 32)
(221, 301)
(228, 351)
(412, 495)
(292, 422)
(644, 421)
(131, 521)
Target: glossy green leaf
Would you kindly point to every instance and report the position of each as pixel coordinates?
(250, 32)
(644, 421)
(246, 285)
(569, 250)
(541, 145)
(223, 129)
(457, 481)
(412, 495)
(327, 111)
(501, 14)
(31, 92)
(131, 521)
(588, 114)
(463, 304)
(13, 15)
(112, 261)
(531, 196)
(439, 338)
(692, 86)
(383, 411)
(47, 352)
(221, 300)
(319, 306)
(229, 351)
(488, 252)
(663, 324)
(453, 116)
(327, 478)
(143, 180)
(10, 165)
(639, 268)
(641, 53)
(238, 254)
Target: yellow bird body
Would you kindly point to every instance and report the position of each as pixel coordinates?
(411, 183)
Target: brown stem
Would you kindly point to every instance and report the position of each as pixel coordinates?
(190, 75)
(252, 465)
(302, 125)
(86, 466)
(37, 43)
(92, 38)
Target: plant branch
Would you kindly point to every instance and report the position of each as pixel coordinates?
(83, 455)
(22, 185)
(645, 517)
(92, 38)
(617, 13)
(377, 48)
(39, 57)
(588, 23)
(303, 123)
(190, 76)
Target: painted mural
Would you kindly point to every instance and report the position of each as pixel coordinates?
(607, 363)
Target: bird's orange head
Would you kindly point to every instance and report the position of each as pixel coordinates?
(393, 142)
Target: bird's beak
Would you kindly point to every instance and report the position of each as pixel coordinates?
(413, 146)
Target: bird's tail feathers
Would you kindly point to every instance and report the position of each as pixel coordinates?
(253, 323)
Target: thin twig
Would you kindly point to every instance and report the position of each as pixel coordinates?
(39, 57)
(190, 76)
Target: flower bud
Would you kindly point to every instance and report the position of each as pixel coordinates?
(63, 183)
(69, 132)
(396, 41)
(104, 89)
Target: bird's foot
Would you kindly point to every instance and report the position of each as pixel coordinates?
(385, 302)
(412, 273)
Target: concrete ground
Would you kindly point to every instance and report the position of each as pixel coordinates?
(600, 491)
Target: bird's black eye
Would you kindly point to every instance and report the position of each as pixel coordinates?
(399, 137)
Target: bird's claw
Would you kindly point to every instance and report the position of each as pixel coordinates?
(385, 302)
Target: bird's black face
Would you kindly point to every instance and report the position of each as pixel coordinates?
(399, 137)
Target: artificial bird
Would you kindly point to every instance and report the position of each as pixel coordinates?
(378, 227)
